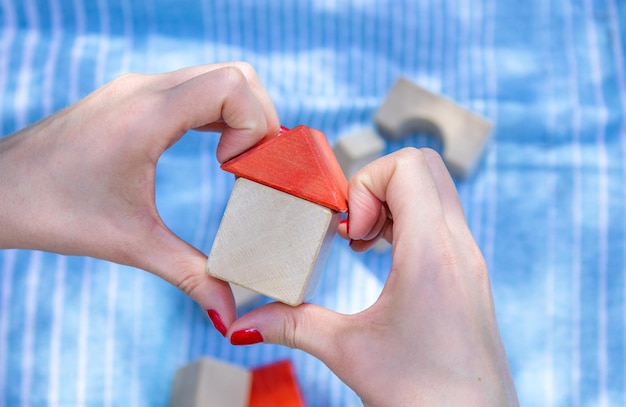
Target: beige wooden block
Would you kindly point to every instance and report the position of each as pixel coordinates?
(271, 242)
(211, 383)
(410, 108)
(357, 149)
(245, 297)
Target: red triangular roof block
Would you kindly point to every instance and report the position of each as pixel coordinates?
(299, 162)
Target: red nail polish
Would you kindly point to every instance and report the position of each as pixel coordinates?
(246, 337)
(217, 321)
(282, 130)
(346, 222)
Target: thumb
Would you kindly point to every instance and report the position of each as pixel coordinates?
(307, 327)
(164, 254)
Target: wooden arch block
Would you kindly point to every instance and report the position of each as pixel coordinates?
(410, 108)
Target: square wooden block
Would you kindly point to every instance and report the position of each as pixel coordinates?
(272, 242)
(211, 383)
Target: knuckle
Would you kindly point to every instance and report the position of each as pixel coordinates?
(233, 77)
(419, 156)
(188, 282)
(290, 329)
(128, 81)
(246, 69)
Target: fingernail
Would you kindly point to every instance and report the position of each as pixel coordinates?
(346, 222)
(246, 337)
(282, 130)
(217, 321)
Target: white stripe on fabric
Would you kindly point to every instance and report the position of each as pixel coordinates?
(136, 338)
(620, 75)
(577, 215)
(603, 198)
(56, 330)
(77, 51)
(30, 315)
(8, 267)
(6, 39)
(24, 77)
(550, 122)
(83, 333)
(49, 72)
(104, 44)
(129, 37)
(109, 346)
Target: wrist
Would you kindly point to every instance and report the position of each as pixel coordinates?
(448, 388)
(21, 210)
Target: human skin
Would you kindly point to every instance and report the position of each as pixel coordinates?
(431, 339)
(82, 181)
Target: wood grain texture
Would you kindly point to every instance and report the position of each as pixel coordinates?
(410, 108)
(299, 162)
(272, 242)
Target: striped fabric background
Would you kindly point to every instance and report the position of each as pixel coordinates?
(546, 205)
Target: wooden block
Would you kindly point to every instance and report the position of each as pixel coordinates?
(300, 162)
(275, 385)
(211, 383)
(358, 149)
(272, 242)
(244, 297)
(410, 108)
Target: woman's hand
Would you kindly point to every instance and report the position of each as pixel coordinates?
(81, 182)
(432, 337)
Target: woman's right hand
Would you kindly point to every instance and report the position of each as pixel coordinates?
(432, 337)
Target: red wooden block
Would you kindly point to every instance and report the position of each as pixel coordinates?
(299, 162)
(275, 385)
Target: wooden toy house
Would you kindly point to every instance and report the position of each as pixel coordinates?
(281, 217)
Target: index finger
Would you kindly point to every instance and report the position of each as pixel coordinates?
(224, 95)
(175, 78)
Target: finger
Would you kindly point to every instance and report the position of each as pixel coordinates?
(403, 181)
(448, 195)
(167, 256)
(386, 232)
(223, 95)
(175, 78)
(307, 327)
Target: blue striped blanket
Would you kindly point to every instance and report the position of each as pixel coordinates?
(546, 204)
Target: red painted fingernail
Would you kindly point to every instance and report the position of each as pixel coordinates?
(347, 223)
(282, 130)
(217, 321)
(246, 337)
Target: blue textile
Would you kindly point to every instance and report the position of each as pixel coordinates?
(546, 205)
